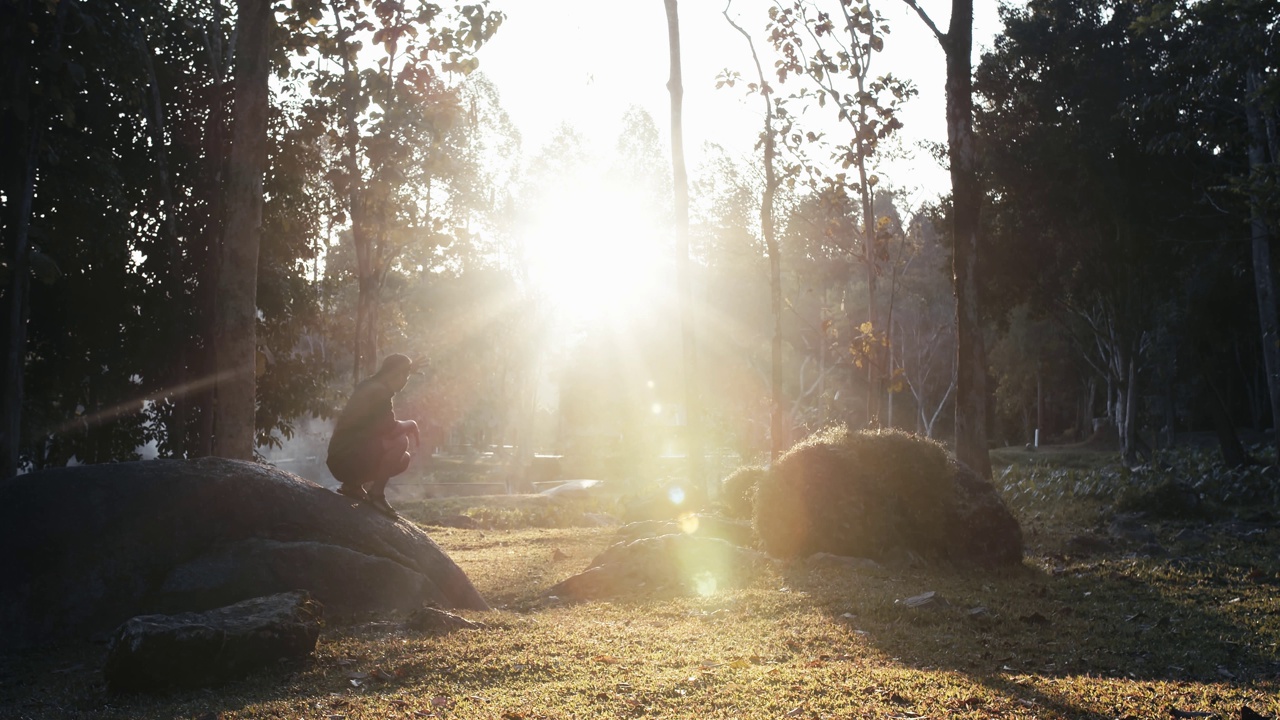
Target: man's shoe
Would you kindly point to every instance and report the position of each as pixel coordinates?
(355, 492)
(379, 503)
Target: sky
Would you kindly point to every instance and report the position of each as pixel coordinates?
(585, 62)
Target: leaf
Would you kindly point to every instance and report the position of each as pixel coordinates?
(606, 659)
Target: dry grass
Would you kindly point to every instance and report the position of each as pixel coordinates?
(1109, 636)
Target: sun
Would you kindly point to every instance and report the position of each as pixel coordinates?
(595, 253)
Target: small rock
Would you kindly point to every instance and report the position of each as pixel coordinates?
(1128, 527)
(600, 520)
(842, 562)
(190, 650)
(924, 601)
(461, 522)
(1089, 545)
(439, 622)
(1191, 536)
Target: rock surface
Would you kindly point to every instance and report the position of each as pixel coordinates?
(189, 650)
(679, 563)
(88, 547)
(697, 524)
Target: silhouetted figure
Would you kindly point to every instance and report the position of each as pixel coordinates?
(369, 446)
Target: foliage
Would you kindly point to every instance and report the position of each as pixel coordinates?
(1153, 487)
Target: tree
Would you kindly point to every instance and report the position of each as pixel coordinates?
(966, 202)
(1079, 184)
(35, 90)
(836, 56)
(235, 322)
(680, 183)
(778, 436)
(388, 113)
(1228, 49)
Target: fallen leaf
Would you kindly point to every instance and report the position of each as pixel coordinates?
(442, 701)
(606, 659)
(795, 712)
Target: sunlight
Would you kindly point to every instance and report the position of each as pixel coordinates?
(594, 252)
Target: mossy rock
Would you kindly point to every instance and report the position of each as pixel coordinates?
(878, 495)
(738, 491)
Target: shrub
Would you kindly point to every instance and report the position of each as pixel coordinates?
(738, 491)
(862, 494)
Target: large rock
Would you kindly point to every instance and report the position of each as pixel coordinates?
(86, 548)
(882, 495)
(677, 563)
(188, 650)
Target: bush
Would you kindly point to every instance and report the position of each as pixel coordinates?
(738, 491)
(863, 494)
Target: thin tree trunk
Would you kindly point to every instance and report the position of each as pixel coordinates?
(777, 434)
(235, 323)
(684, 280)
(1263, 280)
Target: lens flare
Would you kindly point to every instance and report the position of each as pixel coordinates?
(688, 523)
(704, 583)
(676, 495)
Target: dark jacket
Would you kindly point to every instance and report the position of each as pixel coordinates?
(356, 445)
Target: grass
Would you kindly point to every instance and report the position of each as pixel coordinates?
(1111, 635)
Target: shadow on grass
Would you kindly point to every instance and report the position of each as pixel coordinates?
(1204, 615)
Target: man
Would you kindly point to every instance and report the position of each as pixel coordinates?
(369, 446)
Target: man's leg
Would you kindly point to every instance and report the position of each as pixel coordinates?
(395, 460)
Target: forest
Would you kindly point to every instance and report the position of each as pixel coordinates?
(218, 216)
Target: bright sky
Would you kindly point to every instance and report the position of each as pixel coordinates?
(586, 61)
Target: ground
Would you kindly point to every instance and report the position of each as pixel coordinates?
(1112, 629)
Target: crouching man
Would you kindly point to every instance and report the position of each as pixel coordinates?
(369, 445)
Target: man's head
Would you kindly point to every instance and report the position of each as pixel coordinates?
(396, 369)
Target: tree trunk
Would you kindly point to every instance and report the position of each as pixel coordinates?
(684, 281)
(777, 434)
(205, 249)
(235, 322)
(971, 358)
(1263, 280)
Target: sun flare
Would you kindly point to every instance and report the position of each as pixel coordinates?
(594, 253)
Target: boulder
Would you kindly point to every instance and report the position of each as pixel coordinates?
(882, 495)
(680, 563)
(88, 547)
(189, 650)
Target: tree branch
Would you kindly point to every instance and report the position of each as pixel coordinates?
(942, 37)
